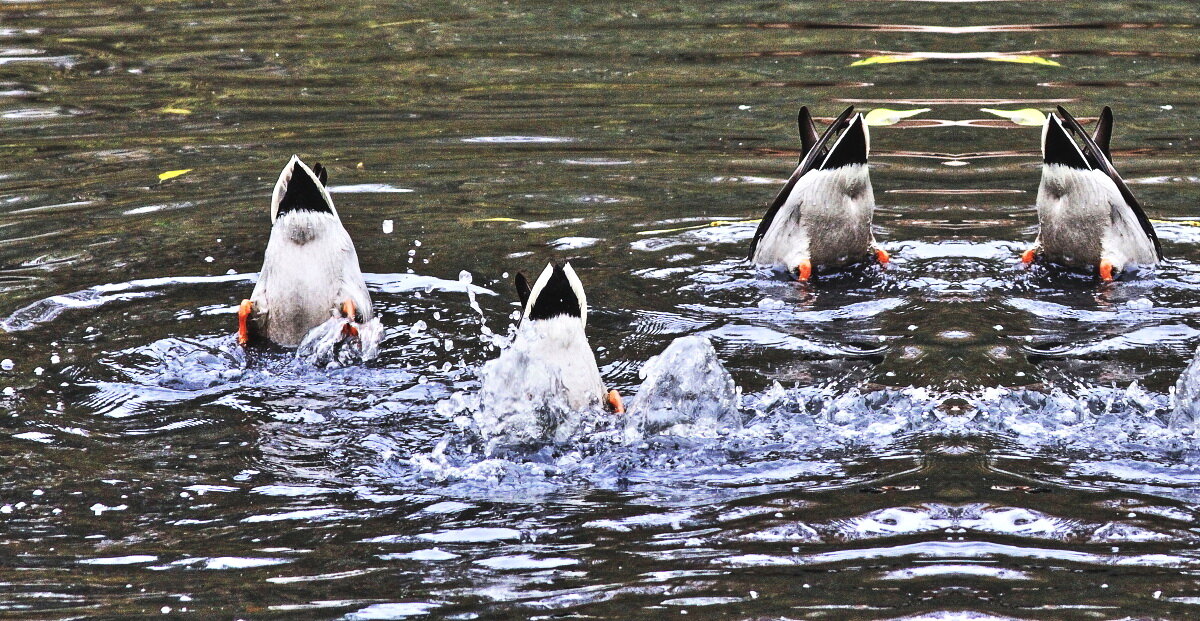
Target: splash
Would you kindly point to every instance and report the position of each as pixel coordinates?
(686, 392)
(544, 387)
(1186, 414)
(341, 343)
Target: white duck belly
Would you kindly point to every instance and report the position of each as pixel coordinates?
(559, 347)
(826, 220)
(309, 270)
(1084, 220)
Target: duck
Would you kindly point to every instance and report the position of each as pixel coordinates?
(310, 276)
(1088, 218)
(821, 219)
(552, 337)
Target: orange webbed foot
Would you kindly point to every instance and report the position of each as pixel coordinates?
(245, 310)
(349, 312)
(1106, 270)
(613, 399)
(1028, 256)
(804, 271)
(882, 256)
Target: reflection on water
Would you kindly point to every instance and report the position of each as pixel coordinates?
(949, 437)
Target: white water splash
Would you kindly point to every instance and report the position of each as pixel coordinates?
(686, 392)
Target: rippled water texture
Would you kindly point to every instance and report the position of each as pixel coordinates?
(953, 437)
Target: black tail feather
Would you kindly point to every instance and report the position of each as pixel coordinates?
(302, 193)
(808, 131)
(851, 148)
(522, 289)
(556, 298)
(1103, 135)
(1058, 148)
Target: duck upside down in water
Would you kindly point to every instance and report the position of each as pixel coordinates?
(545, 383)
(310, 292)
(821, 219)
(554, 317)
(1088, 218)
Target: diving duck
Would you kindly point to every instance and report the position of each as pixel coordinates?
(1088, 218)
(310, 276)
(552, 329)
(543, 385)
(821, 219)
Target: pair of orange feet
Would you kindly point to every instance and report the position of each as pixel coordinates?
(246, 310)
(804, 270)
(1106, 266)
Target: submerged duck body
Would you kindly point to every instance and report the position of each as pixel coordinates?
(539, 385)
(821, 219)
(552, 330)
(1088, 218)
(310, 271)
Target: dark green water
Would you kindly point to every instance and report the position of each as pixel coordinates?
(145, 472)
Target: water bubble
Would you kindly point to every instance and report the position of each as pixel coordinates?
(387, 227)
(413, 253)
(417, 243)
(38, 371)
(464, 277)
(417, 328)
(7, 364)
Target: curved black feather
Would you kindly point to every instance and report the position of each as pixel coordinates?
(322, 173)
(1103, 134)
(556, 298)
(302, 194)
(808, 132)
(1058, 148)
(808, 162)
(1096, 155)
(522, 289)
(850, 148)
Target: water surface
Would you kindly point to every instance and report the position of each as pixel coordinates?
(1007, 455)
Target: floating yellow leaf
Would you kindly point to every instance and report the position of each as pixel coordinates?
(401, 23)
(886, 59)
(1183, 222)
(175, 111)
(885, 116)
(171, 174)
(1024, 116)
(699, 226)
(499, 220)
(1024, 59)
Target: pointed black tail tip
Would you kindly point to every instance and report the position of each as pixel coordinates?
(303, 192)
(523, 289)
(1059, 148)
(852, 147)
(556, 296)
